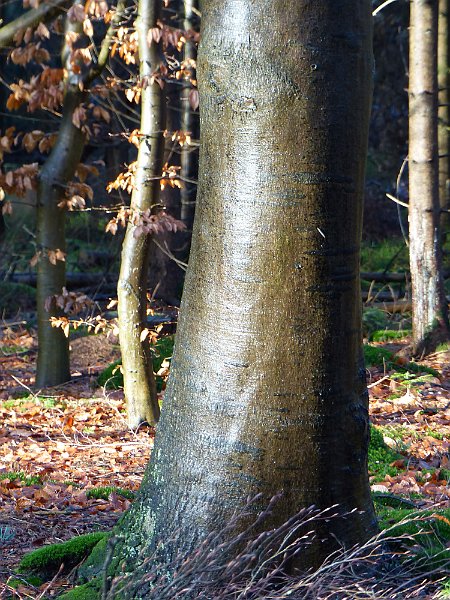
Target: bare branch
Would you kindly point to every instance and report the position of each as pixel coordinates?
(42, 14)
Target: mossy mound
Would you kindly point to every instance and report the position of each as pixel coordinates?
(45, 562)
(112, 377)
(88, 591)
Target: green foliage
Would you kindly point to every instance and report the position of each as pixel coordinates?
(381, 457)
(112, 378)
(445, 591)
(21, 476)
(15, 297)
(390, 254)
(429, 532)
(103, 493)
(20, 402)
(376, 356)
(374, 319)
(46, 561)
(443, 347)
(387, 335)
(445, 474)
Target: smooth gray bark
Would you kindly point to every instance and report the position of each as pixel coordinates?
(138, 377)
(430, 319)
(267, 392)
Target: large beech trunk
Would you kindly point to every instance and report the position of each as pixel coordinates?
(138, 378)
(53, 355)
(267, 391)
(430, 321)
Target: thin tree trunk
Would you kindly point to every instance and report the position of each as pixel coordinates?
(443, 112)
(139, 381)
(53, 363)
(430, 321)
(189, 123)
(267, 392)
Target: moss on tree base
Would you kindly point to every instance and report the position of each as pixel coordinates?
(46, 562)
(88, 591)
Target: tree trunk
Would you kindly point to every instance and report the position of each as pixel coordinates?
(443, 113)
(430, 321)
(53, 355)
(53, 365)
(138, 378)
(267, 392)
(189, 123)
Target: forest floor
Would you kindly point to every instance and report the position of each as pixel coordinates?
(60, 444)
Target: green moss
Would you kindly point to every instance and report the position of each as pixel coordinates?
(93, 565)
(103, 493)
(46, 561)
(32, 580)
(381, 456)
(112, 378)
(376, 356)
(88, 591)
(387, 335)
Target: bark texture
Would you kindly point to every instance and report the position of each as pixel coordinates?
(267, 391)
(139, 381)
(189, 122)
(443, 112)
(53, 365)
(430, 321)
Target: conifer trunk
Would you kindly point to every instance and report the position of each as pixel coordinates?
(139, 381)
(430, 321)
(267, 392)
